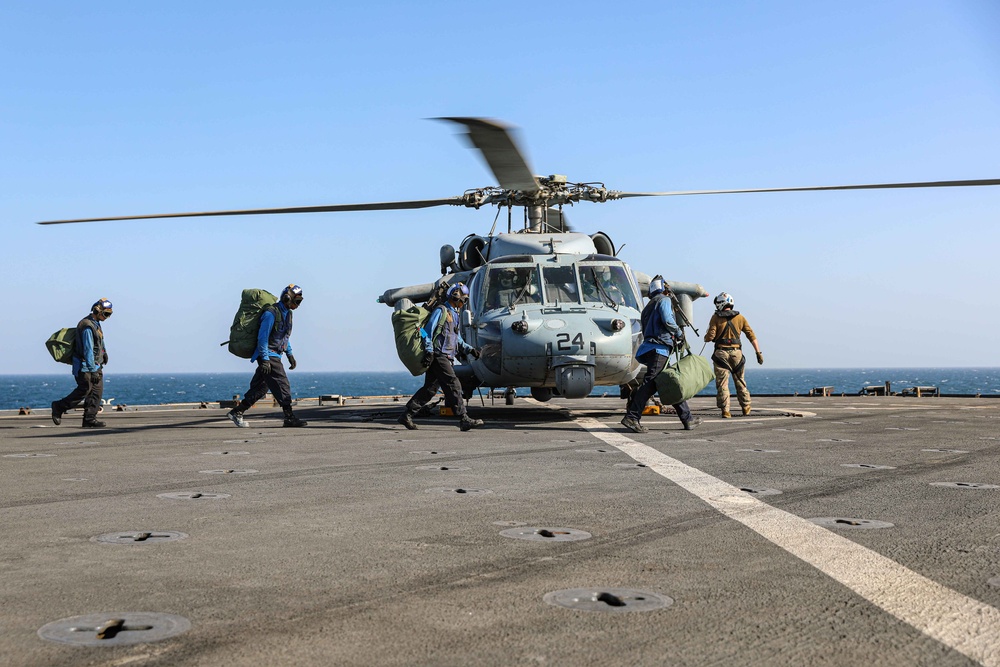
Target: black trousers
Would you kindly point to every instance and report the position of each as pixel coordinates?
(654, 364)
(440, 374)
(89, 390)
(276, 381)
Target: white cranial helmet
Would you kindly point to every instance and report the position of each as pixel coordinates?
(656, 285)
(723, 300)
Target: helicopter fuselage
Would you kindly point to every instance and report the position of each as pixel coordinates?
(552, 325)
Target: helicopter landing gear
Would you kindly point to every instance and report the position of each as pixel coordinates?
(541, 394)
(508, 396)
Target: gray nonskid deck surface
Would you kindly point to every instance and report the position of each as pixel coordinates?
(350, 545)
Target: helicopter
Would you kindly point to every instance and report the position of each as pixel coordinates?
(551, 309)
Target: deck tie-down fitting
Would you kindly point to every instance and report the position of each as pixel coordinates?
(142, 537)
(609, 599)
(110, 628)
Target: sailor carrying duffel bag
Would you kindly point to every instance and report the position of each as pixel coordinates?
(684, 378)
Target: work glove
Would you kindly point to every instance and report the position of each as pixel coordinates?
(104, 359)
(291, 363)
(760, 358)
(476, 352)
(264, 364)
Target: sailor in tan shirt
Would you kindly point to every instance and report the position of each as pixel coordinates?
(724, 330)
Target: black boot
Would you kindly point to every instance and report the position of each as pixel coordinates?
(467, 424)
(93, 423)
(56, 413)
(406, 419)
(291, 420)
(237, 418)
(691, 423)
(632, 424)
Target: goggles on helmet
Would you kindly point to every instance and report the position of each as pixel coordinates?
(292, 294)
(102, 307)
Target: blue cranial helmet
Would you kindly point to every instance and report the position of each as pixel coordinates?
(292, 294)
(458, 291)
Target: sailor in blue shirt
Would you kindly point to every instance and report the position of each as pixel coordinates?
(660, 335)
(89, 359)
(273, 341)
(443, 341)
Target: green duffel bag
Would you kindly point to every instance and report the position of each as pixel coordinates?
(684, 379)
(243, 333)
(60, 345)
(406, 325)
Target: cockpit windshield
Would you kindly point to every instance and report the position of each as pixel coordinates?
(512, 285)
(604, 283)
(607, 283)
(560, 284)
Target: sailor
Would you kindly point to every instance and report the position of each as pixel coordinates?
(724, 330)
(442, 343)
(89, 358)
(273, 340)
(660, 335)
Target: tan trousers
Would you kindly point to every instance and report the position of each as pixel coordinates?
(733, 358)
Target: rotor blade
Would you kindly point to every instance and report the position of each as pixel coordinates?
(557, 221)
(504, 158)
(378, 206)
(870, 186)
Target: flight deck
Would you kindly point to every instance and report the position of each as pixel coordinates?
(818, 530)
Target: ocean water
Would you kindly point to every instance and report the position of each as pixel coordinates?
(38, 391)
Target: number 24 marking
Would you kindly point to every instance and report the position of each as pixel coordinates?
(564, 343)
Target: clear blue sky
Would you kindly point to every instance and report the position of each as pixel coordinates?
(126, 108)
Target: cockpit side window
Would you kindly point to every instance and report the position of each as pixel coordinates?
(560, 284)
(607, 283)
(476, 291)
(511, 285)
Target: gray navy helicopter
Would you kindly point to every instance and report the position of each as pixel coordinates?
(552, 310)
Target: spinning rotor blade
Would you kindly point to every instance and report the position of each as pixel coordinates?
(557, 221)
(870, 186)
(377, 206)
(505, 160)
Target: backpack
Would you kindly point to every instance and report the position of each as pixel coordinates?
(685, 378)
(243, 333)
(62, 344)
(406, 325)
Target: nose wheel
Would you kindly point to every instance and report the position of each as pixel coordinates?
(508, 396)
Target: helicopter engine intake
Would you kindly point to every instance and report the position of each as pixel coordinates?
(472, 252)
